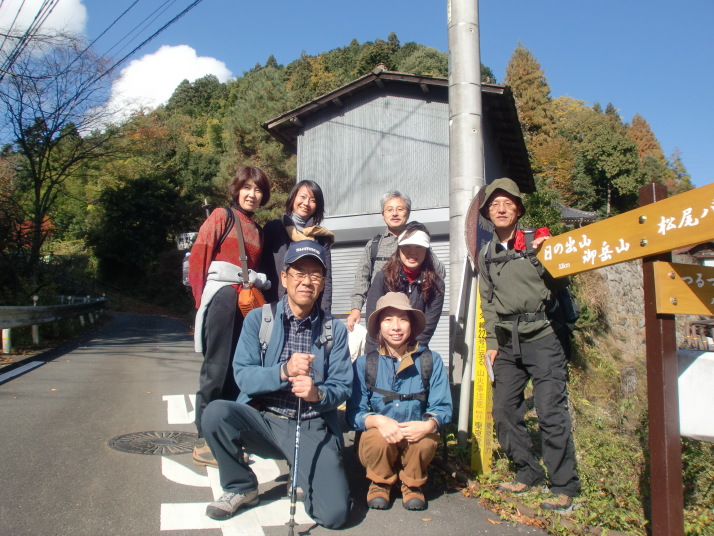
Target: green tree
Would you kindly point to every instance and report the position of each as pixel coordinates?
(55, 94)
(373, 54)
(424, 61)
(607, 169)
(141, 218)
(655, 166)
(204, 97)
(531, 91)
(681, 180)
(487, 75)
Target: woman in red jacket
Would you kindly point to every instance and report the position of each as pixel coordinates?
(215, 275)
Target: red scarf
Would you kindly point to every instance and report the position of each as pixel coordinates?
(412, 275)
(519, 241)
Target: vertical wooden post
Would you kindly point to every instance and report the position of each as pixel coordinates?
(662, 398)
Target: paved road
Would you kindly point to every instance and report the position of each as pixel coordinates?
(137, 374)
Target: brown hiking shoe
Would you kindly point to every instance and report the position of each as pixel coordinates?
(514, 487)
(558, 503)
(202, 454)
(413, 498)
(378, 495)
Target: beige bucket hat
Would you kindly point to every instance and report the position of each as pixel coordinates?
(397, 300)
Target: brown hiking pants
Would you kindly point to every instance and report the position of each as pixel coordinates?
(387, 461)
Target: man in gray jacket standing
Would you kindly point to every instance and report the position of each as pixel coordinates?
(396, 208)
(517, 297)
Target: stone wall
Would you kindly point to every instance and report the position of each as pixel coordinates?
(623, 304)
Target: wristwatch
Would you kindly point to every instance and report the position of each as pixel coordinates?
(320, 394)
(430, 417)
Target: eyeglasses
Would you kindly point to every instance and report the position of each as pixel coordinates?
(300, 276)
(392, 210)
(508, 205)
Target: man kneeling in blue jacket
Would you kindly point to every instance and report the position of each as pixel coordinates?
(263, 420)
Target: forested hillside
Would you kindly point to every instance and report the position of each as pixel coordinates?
(80, 201)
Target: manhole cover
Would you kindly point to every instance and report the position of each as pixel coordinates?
(160, 443)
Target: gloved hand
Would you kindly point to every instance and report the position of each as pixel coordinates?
(258, 280)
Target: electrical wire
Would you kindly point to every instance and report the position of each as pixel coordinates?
(141, 27)
(147, 40)
(90, 45)
(45, 11)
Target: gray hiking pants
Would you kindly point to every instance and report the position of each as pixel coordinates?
(229, 427)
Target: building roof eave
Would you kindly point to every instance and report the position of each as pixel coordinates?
(497, 103)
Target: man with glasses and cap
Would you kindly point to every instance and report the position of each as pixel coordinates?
(517, 296)
(295, 365)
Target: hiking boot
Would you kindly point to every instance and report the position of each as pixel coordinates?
(514, 487)
(378, 496)
(202, 454)
(413, 498)
(559, 503)
(229, 503)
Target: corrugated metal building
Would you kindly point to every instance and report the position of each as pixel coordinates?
(387, 131)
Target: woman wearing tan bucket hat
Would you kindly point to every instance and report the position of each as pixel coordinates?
(398, 408)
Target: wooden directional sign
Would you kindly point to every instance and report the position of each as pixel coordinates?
(684, 289)
(675, 222)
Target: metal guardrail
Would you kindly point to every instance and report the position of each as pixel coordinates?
(13, 317)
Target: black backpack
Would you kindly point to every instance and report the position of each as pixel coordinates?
(266, 330)
(565, 310)
(426, 364)
(374, 248)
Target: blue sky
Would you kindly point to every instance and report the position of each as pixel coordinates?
(648, 57)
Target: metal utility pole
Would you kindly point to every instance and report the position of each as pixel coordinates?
(466, 161)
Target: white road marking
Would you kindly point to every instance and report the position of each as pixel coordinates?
(192, 516)
(20, 370)
(178, 412)
(248, 522)
(181, 474)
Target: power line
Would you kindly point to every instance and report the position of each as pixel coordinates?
(9, 31)
(142, 26)
(151, 37)
(46, 9)
(90, 45)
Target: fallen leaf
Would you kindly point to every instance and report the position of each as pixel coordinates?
(494, 522)
(426, 519)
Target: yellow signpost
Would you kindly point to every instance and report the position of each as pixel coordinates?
(675, 222)
(482, 419)
(684, 289)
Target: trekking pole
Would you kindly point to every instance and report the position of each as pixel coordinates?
(293, 484)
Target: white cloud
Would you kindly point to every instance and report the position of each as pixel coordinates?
(151, 80)
(67, 16)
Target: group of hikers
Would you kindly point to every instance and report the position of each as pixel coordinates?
(273, 378)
